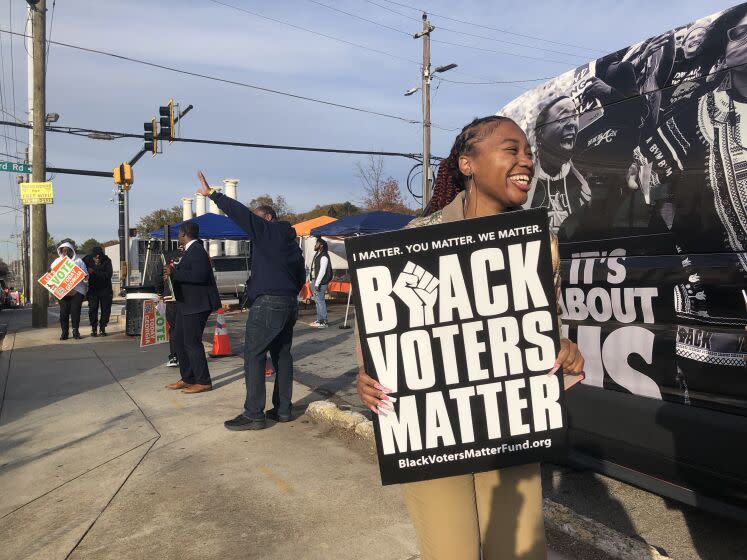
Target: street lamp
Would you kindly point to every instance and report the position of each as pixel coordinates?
(445, 68)
(410, 91)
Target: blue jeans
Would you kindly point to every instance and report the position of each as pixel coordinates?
(269, 327)
(321, 305)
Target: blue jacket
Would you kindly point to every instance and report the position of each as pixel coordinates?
(194, 282)
(277, 263)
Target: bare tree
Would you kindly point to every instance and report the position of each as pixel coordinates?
(380, 192)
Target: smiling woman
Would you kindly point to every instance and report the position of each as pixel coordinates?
(489, 171)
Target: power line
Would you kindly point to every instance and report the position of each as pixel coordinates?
(442, 28)
(494, 51)
(307, 30)
(400, 31)
(225, 80)
(494, 82)
(11, 115)
(49, 36)
(85, 131)
(473, 24)
(356, 16)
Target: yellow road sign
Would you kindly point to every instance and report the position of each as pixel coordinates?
(37, 193)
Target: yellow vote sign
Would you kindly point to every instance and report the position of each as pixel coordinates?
(37, 193)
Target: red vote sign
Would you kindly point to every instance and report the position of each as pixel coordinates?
(63, 277)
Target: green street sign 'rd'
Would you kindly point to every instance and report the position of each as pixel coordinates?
(12, 167)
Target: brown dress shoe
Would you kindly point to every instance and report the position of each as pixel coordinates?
(197, 388)
(181, 384)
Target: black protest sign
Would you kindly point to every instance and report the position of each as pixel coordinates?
(459, 321)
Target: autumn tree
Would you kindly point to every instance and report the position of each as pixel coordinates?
(380, 193)
(159, 218)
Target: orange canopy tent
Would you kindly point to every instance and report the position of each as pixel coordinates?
(303, 229)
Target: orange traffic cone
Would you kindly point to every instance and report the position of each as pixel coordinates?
(221, 344)
(268, 369)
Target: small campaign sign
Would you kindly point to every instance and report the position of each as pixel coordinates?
(155, 329)
(37, 193)
(63, 277)
(459, 321)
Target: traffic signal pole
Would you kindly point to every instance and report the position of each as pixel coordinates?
(151, 136)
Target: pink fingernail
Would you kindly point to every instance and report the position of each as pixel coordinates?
(555, 368)
(385, 406)
(372, 408)
(383, 397)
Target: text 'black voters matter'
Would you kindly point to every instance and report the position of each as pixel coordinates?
(460, 321)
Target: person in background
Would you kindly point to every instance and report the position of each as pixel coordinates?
(277, 276)
(72, 303)
(100, 293)
(321, 274)
(196, 298)
(171, 258)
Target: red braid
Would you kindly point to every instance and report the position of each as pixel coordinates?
(448, 183)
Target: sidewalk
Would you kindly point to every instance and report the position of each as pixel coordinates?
(100, 461)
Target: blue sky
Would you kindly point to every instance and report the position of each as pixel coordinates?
(94, 91)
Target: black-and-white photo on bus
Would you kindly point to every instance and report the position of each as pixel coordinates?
(641, 160)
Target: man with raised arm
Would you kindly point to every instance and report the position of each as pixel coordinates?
(278, 273)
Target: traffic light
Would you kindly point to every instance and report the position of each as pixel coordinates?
(167, 122)
(151, 136)
(123, 175)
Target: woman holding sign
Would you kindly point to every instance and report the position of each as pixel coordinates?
(495, 514)
(71, 304)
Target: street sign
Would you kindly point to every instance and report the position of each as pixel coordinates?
(13, 167)
(37, 193)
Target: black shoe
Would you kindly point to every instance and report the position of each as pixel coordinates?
(64, 335)
(102, 331)
(272, 414)
(93, 332)
(76, 334)
(241, 422)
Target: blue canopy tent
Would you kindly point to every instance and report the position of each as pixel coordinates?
(362, 224)
(212, 226)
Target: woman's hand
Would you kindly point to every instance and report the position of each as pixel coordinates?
(204, 189)
(569, 358)
(372, 394)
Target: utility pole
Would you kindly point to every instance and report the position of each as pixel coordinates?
(425, 90)
(24, 258)
(425, 34)
(40, 296)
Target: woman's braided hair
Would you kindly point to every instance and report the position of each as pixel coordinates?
(449, 180)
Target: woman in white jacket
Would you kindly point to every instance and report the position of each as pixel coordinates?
(71, 304)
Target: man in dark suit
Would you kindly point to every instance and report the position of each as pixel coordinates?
(196, 298)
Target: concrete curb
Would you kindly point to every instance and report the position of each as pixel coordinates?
(558, 518)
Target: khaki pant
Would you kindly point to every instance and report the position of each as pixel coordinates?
(498, 512)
